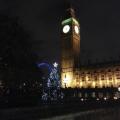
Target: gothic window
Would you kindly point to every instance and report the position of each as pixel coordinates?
(77, 81)
(102, 77)
(82, 72)
(83, 78)
(77, 77)
(110, 77)
(95, 77)
(109, 70)
(118, 76)
(117, 69)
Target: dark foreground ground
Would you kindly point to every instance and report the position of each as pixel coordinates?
(87, 110)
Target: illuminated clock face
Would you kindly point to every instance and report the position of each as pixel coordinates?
(76, 29)
(66, 29)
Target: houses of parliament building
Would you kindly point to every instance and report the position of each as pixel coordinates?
(74, 76)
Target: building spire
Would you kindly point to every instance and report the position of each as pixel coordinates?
(71, 12)
(69, 9)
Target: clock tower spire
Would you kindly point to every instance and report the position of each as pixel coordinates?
(70, 38)
(71, 12)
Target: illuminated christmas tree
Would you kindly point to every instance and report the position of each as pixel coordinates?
(54, 80)
(52, 91)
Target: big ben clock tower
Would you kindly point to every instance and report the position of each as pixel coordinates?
(70, 36)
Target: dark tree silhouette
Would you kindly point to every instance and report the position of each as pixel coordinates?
(17, 62)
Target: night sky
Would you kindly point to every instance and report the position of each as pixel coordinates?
(99, 20)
